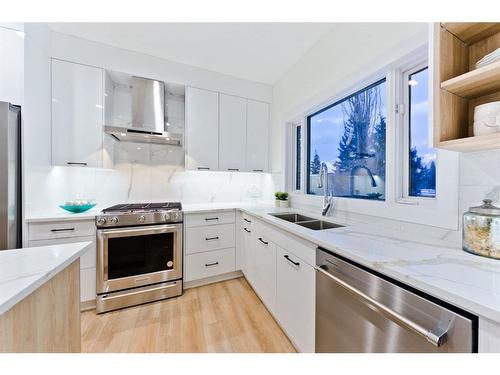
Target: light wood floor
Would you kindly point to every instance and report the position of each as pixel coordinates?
(221, 317)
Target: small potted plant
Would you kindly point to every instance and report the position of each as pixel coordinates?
(281, 199)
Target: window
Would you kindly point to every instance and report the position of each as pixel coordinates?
(349, 137)
(421, 159)
(298, 159)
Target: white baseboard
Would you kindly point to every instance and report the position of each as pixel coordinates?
(87, 305)
(213, 279)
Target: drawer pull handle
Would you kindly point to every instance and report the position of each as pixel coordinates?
(233, 169)
(203, 168)
(211, 264)
(264, 242)
(258, 170)
(291, 261)
(248, 231)
(248, 221)
(211, 238)
(76, 163)
(211, 218)
(63, 230)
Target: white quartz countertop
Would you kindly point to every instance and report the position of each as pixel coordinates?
(22, 271)
(59, 214)
(436, 267)
(416, 257)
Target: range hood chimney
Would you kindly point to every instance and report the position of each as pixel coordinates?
(148, 115)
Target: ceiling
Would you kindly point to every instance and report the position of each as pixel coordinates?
(260, 52)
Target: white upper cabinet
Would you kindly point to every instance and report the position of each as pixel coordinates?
(77, 114)
(257, 147)
(202, 129)
(232, 133)
(11, 66)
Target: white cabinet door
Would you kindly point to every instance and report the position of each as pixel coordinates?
(258, 133)
(77, 114)
(295, 299)
(248, 246)
(232, 133)
(11, 66)
(202, 129)
(265, 271)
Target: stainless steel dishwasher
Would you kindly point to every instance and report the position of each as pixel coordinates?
(359, 310)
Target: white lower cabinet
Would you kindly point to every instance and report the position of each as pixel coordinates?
(63, 232)
(295, 298)
(208, 264)
(279, 268)
(209, 245)
(265, 270)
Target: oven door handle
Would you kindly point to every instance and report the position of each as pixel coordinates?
(154, 229)
(107, 297)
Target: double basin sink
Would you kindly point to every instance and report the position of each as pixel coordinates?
(307, 222)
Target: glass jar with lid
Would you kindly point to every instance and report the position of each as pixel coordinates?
(481, 230)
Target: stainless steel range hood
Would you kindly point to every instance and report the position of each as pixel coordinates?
(146, 108)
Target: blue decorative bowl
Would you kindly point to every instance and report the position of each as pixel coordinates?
(77, 209)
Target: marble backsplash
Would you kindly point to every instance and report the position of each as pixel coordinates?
(144, 172)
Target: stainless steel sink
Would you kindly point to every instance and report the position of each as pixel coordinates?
(292, 217)
(306, 221)
(319, 225)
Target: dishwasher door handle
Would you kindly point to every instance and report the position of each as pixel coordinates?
(435, 336)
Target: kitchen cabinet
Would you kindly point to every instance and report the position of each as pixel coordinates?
(11, 66)
(295, 298)
(69, 231)
(232, 133)
(248, 249)
(202, 129)
(265, 270)
(257, 137)
(209, 244)
(77, 114)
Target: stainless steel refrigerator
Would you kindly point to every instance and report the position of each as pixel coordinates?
(10, 176)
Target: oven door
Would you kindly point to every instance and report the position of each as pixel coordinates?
(138, 256)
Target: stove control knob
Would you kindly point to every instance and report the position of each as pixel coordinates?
(101, 221)
(168, 216)
(142, 219)
(114, 220)
(178, 215)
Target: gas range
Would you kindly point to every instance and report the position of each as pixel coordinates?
(132, 214)
(139, 254)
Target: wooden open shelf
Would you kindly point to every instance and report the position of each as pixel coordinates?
(459, 87)
(471, 144)
(471, 32)
(482, 81)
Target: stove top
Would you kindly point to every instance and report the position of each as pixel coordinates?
(133, 214)
(144, 207)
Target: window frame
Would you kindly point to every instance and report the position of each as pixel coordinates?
(402, 122)
(294, 166)
(306, 145)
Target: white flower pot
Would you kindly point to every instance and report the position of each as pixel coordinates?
(284, 204)
(277, 203)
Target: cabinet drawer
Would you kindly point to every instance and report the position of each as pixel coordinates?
(61, 229)
(209, 218)
(87, 260)
(213, 237)
(212, 263)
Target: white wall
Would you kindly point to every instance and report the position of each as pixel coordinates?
(141, 172)
(347, 54)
